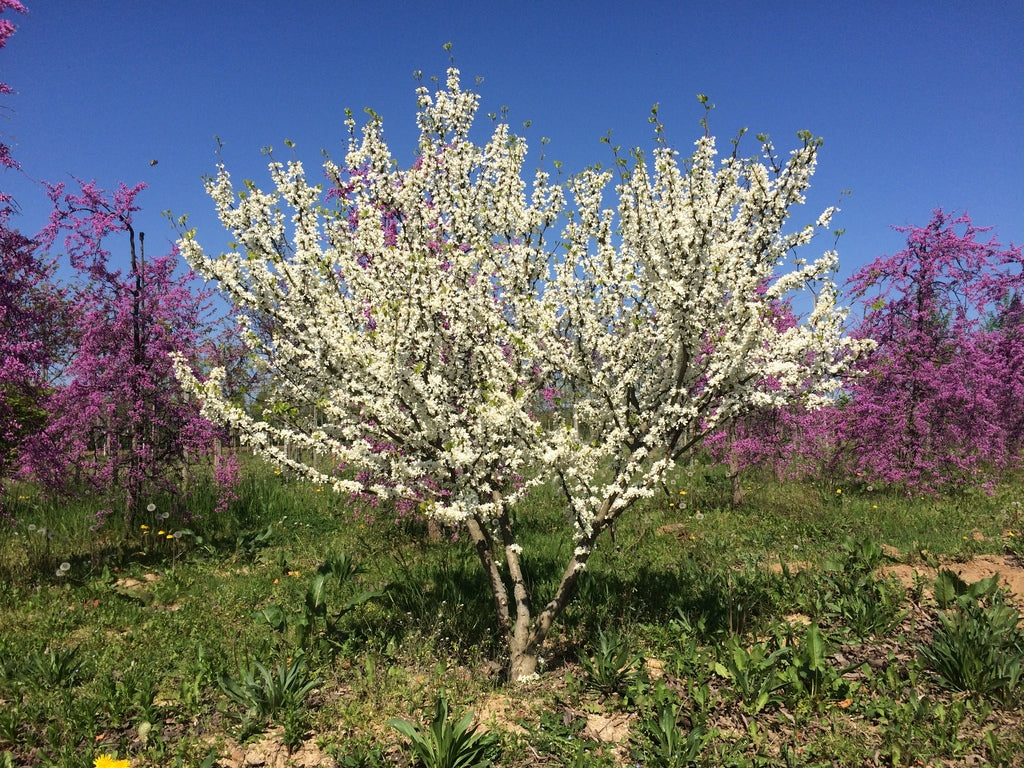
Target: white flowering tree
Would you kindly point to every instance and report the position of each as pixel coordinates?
(415, 321)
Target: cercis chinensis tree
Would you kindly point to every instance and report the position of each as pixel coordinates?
(423, 318)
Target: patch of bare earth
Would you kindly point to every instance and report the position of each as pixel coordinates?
(269, 751)
(1007, 569)
(501, 712)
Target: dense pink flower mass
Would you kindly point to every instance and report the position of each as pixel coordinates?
(30, 307)
(118, 419)
(31, 311)
(937, 402)
(940, 401)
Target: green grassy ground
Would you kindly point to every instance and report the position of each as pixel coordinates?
(703, 635)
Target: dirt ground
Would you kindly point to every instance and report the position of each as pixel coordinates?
(1008, 569)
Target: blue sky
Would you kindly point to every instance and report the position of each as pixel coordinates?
(920, 104)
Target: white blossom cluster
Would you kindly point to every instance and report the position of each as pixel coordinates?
(668, 315)
(412, 324)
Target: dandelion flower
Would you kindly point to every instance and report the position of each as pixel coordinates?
(107, 761)
(151, 507)
(699, 515)
(170, 535)
(160, 533)
(839, 490)
(65, 566)
(682, 493)
(144, 527)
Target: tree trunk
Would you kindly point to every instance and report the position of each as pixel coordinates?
(433, 529)
(525, 633)
(737, 486)
(523, 662)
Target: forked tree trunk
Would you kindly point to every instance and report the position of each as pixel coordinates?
(525, 633)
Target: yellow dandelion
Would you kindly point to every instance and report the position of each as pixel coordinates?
(170, 535)
(682, 493)
(107, 761)
(839, 490)
(874, 506)
(144, 527)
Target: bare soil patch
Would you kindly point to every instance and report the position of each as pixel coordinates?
(1008, 569)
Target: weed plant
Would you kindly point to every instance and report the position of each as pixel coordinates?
(978, 645)
(662, 743)
(271, 695)
(612, 668)
(448, 742)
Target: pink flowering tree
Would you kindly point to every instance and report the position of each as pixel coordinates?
(32, 313)
(936, 402)
(940, 400)
(1005, 349)
(119, 421)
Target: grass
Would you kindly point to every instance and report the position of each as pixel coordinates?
(703, 635)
